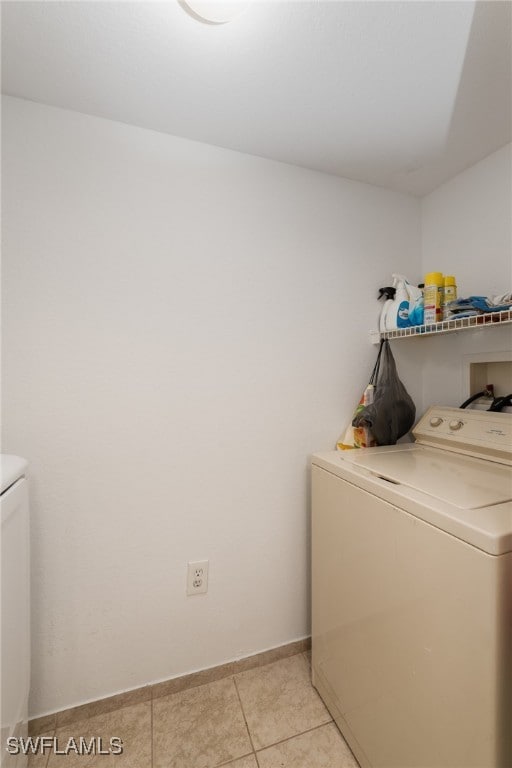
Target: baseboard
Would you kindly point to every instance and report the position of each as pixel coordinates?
(47, 723)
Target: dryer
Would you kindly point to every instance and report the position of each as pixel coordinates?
(412, 594)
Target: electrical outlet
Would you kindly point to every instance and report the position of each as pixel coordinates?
(197, 577)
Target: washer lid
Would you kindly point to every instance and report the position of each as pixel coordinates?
(11, 469)
(463, 481)
(405, 476)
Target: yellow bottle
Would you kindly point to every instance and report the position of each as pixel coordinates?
(433, 297)
(450, 294)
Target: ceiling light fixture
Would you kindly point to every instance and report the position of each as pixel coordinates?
(214, 11)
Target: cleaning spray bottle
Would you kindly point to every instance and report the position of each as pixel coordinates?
(416, 309)
(397, 315)
(389, 293)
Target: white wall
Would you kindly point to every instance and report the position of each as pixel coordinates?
(467, 231)
(184, 325)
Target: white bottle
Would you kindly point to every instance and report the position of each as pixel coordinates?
(389, 293)
(415, 305)
(397, 315)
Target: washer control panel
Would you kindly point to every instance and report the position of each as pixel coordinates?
(482, 434)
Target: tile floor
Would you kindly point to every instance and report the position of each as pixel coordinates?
(269, 717)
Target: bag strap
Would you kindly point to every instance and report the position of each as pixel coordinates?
(375, 372)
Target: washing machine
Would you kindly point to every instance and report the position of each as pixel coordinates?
(15, 605)
(412, 594)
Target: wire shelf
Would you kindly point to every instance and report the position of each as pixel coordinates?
(446, 326)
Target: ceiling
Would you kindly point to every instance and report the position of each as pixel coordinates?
(399, 94)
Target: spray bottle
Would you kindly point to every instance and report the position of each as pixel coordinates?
(416, 309)
(397, 315)
(389, 294)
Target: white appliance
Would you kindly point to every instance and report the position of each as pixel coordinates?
(412, 594)
(15, 631)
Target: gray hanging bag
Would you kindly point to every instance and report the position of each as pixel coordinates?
(392, 413)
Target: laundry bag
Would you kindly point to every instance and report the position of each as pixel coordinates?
(391, 413)
(386, 411)
(361, 436)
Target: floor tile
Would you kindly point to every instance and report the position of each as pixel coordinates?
(131, 724)
(279, 701)
(323, 747)
(40, 758)
(199, 728)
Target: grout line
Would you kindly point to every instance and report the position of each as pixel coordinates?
(47, 761)
(234, 760)
(152, 733)
(289, 738)
(245, 719)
